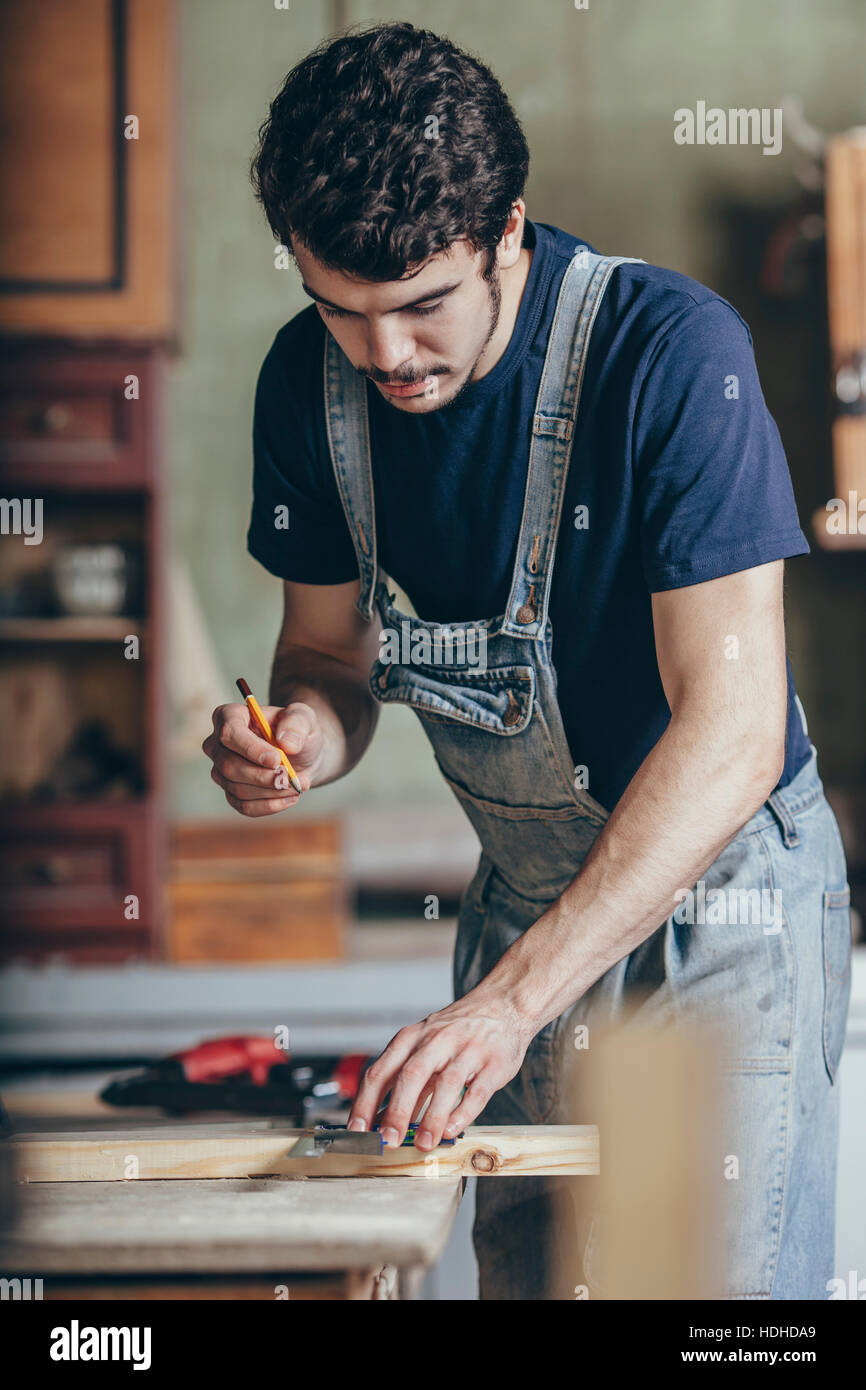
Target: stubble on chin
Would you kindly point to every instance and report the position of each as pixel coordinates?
(438, 401)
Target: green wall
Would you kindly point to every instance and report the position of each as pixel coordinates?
(596, 90)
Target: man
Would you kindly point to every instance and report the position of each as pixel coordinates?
(471, 398)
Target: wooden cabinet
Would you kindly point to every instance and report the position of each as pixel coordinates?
(78, 419)
(82, 820)
(87, 128)
(79, 881)
(88, 133)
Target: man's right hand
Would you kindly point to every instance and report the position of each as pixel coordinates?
(249, 769)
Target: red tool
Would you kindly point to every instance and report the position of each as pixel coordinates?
(247, 1074)
(224, 1057)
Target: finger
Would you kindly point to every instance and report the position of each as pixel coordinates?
(446, 1096)
(377, 1079)
(234, 769)
(281, 781)
(244, 791)
(414, 1078)
(254, 809)
(235, 734)
(294, 726)
(419, 1108)
(477, 1095)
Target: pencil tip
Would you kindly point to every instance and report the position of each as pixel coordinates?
(296, 783)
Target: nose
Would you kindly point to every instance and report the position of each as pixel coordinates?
(389, 347)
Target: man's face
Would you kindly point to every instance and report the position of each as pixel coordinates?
(418, 339)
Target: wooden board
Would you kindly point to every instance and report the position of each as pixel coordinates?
(365, 1285)
(846, 304)
(240, 892)
(654, 1212)
(267, 922)
(266, 854)
(232, 1227)
(259, 1149)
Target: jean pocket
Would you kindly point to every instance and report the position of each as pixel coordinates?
(540, 1076)
(837, 974)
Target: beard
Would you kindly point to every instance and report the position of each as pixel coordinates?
(494, 304)
(495, 309)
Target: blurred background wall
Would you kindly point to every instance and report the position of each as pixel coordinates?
(596, 90)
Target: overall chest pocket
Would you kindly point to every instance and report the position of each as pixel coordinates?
(497, 700)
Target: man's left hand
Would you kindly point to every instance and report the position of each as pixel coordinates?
(478, 1042)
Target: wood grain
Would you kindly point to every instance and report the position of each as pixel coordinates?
(60, 127)
(234, 1227)
(267, 922)
(250, 893)
(846, 307)
(257, 1149)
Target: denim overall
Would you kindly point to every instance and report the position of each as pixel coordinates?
(486, 695)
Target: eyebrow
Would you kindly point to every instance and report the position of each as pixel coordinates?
(422, 299)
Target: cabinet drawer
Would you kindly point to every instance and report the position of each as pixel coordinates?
(57, 865)
(74, 419)
(67, 878)
(38, 418)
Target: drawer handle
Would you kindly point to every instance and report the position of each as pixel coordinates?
(48, 871)
(54, 419)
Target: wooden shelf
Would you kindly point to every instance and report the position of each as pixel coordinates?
(83, 355)
(88, 813)
(70, 629)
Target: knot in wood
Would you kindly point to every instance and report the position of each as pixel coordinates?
(483, 1161)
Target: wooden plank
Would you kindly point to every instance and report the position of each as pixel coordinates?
(260, 1149)
(654, 1213)
(272, 854)
(228, 921)
(846, 308)
(244, 893)
(234, 1227)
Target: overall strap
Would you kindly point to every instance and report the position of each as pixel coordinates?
(553, 425)
(349, 442)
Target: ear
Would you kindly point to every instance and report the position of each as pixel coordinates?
(509, 248)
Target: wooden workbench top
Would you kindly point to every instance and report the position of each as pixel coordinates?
(231, 1224)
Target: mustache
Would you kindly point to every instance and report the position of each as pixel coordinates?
(402, 378)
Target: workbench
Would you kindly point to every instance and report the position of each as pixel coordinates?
(267, 1238)
(213, 1209)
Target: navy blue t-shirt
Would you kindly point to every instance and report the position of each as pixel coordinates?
(675, 455)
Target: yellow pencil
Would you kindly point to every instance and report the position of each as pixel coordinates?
(265, 730)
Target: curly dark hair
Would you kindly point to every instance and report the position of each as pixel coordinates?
(350, 161)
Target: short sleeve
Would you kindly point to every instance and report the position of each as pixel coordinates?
(712, 485)
(297, 527)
